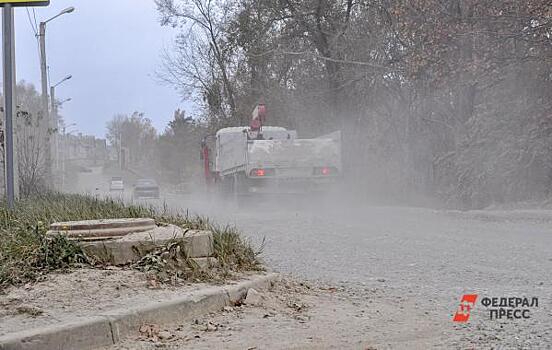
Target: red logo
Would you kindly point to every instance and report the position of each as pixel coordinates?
(466, 304)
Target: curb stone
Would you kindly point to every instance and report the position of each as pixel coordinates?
(125, 322)
(83, 334)
(238, 291)
(112, 327)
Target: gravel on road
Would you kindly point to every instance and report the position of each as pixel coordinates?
(422, 259)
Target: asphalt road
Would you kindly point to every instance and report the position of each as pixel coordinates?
(419, 260)
(423, 260)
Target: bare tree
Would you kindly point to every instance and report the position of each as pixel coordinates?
(134, 133)
(202, 55)
(445, 99)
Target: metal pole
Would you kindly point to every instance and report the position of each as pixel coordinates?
(120, 150)
(45, 112)
(63, 160)
(53, 101)
(9, 100)
(54, 117)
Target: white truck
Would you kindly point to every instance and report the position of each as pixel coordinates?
(272, 160)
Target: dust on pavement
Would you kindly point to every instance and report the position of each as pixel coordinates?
(423, 261)
(293, 315)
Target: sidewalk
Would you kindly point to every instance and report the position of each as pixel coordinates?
(88, 308)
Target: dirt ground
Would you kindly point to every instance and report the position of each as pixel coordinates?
(293, 315)
(68, 297)
(297, 315)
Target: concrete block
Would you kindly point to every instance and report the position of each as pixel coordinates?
(238, 292)
(199, 244)
(90, 333)
(132, 247)
(127, 322)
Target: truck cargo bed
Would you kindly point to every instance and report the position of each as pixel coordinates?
(295, 158)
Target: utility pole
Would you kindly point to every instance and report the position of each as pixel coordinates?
(64, 155)
(8, 43)
(63, 159)
(121, 150)
(45, 111)
(55, 121)
(54, 118)
(44, 82)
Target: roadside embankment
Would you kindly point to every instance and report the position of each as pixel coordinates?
(55, 292)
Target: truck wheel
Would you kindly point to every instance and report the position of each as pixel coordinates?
(224, 188)
(241, 195)
(235, 190)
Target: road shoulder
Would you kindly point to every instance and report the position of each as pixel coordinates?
(88, 308)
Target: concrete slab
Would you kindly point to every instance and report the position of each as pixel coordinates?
(125, 241)
(101, 229)
(132, 247)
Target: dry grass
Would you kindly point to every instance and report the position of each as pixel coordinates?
(26, 253)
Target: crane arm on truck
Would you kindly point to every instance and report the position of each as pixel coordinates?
(205, 155)
(258, 117)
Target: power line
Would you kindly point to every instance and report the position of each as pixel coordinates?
(31, 22)
(34, 27)
(34, 15)
(37, 34)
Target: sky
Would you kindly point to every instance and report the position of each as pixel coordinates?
(112, 48)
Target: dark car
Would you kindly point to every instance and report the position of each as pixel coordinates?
(145, 188)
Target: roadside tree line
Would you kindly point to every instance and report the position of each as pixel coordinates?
(31, 136)
(171, 156)
(444, 99)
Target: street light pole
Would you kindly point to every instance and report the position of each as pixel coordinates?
(45, 112)
(43, 70)
(53, 97)
(54, 118)
(59, 139)
(44, 78)
(121, 150)
(64, 158)
(62, 102)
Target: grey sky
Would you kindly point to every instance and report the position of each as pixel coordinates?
(112, 49)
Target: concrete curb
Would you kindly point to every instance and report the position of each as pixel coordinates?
(110, 328)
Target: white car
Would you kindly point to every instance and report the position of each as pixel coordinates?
(116, 184)
(145, 189)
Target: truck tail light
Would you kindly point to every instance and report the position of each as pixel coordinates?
(325, 171)
(259, 172)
